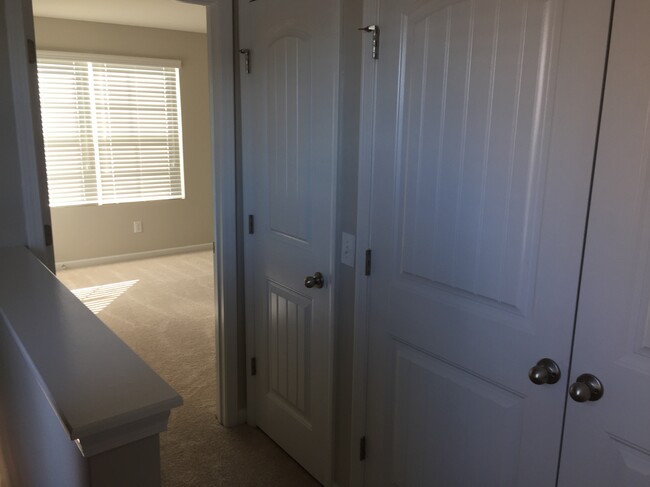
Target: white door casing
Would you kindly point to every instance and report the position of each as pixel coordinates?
(607, 442)
(289, 157)
(483, 141)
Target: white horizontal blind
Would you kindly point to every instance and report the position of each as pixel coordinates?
(67, 127)
(115, 136)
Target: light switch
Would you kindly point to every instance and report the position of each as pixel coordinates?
(347, 249)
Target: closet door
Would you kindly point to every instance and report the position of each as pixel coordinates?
(289, 83)
(484, 127)
(607, 439)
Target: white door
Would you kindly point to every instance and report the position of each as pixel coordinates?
(485, 125)
(289, 110)
(607, 442)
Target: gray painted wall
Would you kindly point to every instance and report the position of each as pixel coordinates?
(12, 219)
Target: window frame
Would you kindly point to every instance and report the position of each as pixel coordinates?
(134, 61)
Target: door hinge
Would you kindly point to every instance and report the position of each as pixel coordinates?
(251, 224)
(31, 51)
(362, 448)
(214, 248)
(247, 59)
(374, 29)
(253, 366)
(47, 235)
(368, 268)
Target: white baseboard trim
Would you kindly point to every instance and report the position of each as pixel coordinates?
(73, 264)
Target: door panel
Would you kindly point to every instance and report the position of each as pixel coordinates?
(289, 150)
(485, 126)
(608, 442)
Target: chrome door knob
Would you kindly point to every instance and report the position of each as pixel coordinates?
(317, 281)
(587, 387)
(546, 371)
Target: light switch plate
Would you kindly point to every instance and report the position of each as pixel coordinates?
(347, 249)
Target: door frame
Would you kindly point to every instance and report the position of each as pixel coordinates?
(225, 163)
(227, 228)
(29, 133)
(364, 242)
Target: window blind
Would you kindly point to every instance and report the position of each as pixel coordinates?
(112, 129)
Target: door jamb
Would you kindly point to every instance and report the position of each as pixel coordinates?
(29, 132)
(364, 239)
(227, 254)
(227, 270)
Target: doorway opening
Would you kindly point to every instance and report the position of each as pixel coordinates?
(132, 198)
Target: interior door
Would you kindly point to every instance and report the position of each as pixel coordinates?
(485, 126)
(607, 441)
(289, 106)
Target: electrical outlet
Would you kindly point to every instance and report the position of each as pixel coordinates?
(347, 249)
(137, 226)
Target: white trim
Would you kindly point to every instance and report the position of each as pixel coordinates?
(29, 132)
(108, 58)
(220, 19)
(364, 202)
(110, 259)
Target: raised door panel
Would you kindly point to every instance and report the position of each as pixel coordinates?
(474, 110)
(440, 412)
(289, 323)
(289, 136)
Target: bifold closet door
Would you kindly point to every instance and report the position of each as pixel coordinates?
(484, 132)
(607, 440)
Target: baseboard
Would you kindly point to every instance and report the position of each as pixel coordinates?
(73, 264)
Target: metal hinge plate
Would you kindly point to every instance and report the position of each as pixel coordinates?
(251, 224)
(247, 59)
(374, 30)
(368, 268)
(253, 366)
(362, 448)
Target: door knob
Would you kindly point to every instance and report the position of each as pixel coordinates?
(587, 387)
(317, 280)
(545, 372)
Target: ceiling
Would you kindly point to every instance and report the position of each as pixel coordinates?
(162, 14)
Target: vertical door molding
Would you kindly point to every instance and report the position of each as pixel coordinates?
(364, 200)
(227, 281)
(27, 114)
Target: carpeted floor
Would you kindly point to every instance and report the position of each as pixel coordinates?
(163, 308)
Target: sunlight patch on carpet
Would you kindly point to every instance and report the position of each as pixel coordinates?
(97, 298)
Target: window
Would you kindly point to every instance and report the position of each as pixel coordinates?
(112, 128)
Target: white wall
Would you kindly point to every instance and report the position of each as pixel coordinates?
(352, 43)
(84, 232)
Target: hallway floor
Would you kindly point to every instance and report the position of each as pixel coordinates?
(163, 308)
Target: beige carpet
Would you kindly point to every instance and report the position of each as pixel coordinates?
(163, 309)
